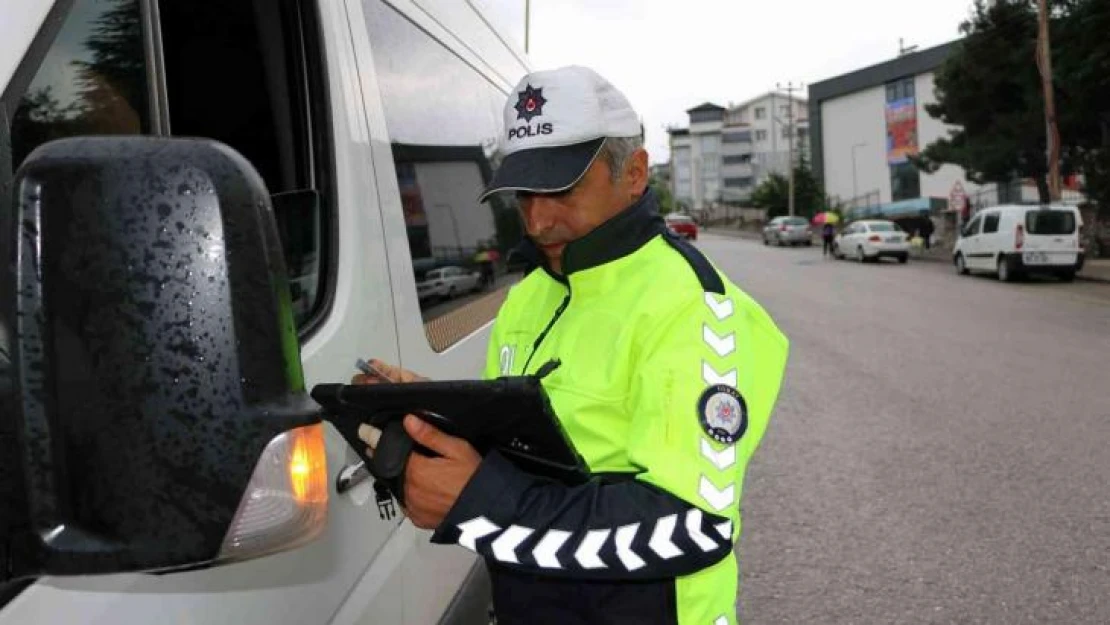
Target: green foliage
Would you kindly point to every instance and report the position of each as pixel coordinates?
(663, 194)
(773, 194)
(991, 89)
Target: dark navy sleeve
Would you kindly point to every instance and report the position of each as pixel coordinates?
(629, 530)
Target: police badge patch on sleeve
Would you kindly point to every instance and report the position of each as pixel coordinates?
(723, 413)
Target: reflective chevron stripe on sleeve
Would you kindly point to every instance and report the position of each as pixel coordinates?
(721, 409)
(651, 549)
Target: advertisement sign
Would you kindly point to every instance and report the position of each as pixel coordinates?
(901, 130)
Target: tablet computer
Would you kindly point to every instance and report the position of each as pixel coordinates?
(512, 415)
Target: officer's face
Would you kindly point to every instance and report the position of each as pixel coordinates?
(555, 219)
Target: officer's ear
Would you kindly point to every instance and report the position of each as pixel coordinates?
(637, 173)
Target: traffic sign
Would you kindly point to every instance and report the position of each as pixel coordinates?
(957, 198)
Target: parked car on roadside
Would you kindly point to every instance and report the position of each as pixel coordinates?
(1015, 240)
(788, 231)
(872, 239)
(447, 282)
(682, 225)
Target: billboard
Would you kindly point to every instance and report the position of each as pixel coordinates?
(901, 130)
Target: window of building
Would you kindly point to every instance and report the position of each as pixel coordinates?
(738, 183)
(710, 144)
(905, 182)
(712, 115)
(444, 143)
(744, 136)
(786, 132)
(737, 159)
(760, 112)
(709, 168)
(900, 89)
(761, 135)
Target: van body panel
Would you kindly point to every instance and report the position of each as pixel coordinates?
(363, 569)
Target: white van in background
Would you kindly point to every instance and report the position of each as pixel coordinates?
(373, 125)
(1016, 240)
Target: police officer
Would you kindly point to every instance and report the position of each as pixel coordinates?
(668, 378)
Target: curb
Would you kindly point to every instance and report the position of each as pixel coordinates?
(736, 234)
(1078, 276)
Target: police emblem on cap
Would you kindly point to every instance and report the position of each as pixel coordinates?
(529, 103)
(723, 413)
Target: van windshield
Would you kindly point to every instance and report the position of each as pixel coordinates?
(1050, 222)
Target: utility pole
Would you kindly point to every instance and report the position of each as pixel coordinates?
(790, 89)
(527, 22)
(1044, 64)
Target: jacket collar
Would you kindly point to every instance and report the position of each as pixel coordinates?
(621, 235)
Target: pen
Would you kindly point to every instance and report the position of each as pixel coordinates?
(369, 369)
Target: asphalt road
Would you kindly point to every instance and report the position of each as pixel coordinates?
(940, 452)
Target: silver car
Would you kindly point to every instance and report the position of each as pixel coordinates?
(788, 231)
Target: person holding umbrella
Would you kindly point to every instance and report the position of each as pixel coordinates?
(828, 230)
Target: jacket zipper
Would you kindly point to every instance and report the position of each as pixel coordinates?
(539, 339)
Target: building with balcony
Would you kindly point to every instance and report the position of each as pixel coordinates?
(725, 152)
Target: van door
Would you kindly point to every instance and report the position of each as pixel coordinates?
(991, 240)
(435, 99)
(971, 244)
(1051, 237)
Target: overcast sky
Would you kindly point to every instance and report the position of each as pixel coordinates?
(671, 55)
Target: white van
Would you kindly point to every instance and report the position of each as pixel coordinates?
(1014, 240)
(372, 125)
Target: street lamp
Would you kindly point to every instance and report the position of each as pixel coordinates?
(855, 188)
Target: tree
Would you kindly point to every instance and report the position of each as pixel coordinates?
(773, 194)
(113, 83)
(1082, 65)
(663, 195)
(990, 89)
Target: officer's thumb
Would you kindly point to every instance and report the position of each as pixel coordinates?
(430, 436)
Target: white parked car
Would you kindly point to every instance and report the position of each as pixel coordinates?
(1014, 240)
(871, 240)
(448, 282)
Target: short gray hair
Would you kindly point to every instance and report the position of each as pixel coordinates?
(616, 151)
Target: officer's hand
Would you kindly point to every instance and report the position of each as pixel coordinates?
(391, 372)
(433, 484)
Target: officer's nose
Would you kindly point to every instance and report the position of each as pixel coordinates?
(540, 213)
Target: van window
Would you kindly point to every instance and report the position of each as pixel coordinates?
(92, 80)
(972, 228)
(444, 118)
(245, 83)
(241, 72)
(1050, 222)
(990, 223)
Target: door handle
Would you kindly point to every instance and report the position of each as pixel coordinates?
(350, 476)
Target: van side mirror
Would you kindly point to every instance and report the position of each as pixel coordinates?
(154, 387)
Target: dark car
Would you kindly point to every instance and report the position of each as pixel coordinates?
(682, 225)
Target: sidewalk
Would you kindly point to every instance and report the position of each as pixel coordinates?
(1096, 270)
